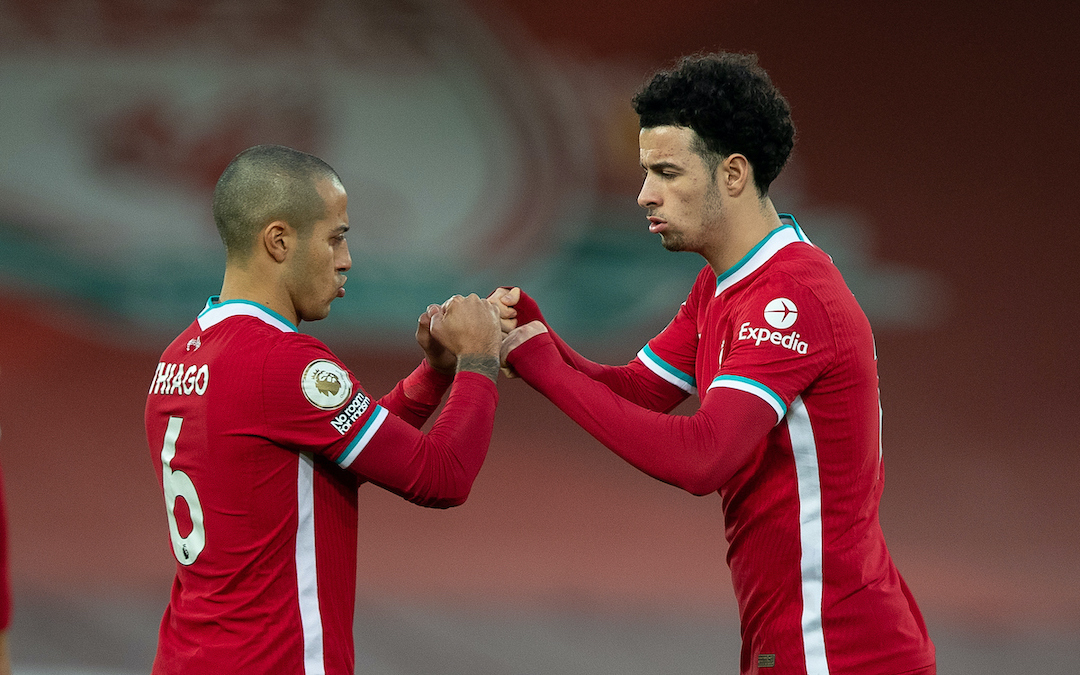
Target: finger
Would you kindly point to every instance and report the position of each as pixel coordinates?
(498, 294)
(453, 299)
(435, 324)
(505, 298)
(519, 336)
(508, 372)
(511, 297)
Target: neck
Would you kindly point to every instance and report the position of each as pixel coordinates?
(746, 224)
(247, 282)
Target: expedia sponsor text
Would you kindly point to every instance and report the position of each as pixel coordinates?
(758, 335)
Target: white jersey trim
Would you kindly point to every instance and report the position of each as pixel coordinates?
(215, 312)
(363, 437)
(755, 388)
(307, 585)
(804, 448)
(666, 371)
(760, 254)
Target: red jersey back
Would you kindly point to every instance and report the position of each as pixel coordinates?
(249, 423)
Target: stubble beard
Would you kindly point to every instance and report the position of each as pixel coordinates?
(672, 241)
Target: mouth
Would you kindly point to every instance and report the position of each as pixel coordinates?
(341, 289)
(657, 225)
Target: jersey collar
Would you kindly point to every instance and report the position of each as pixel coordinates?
(216, 311)
(788, 233)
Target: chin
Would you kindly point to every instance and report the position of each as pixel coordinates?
(672, 243)
(316, 315)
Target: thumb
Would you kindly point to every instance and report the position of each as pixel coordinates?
(511, 296)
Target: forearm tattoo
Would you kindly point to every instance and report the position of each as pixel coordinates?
(485, 364)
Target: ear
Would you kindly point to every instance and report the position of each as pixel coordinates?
(277, 238)
(735, 175)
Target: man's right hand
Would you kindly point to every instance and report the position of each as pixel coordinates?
(469, 327)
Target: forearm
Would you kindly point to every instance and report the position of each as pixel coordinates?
(437, 469)
(458, 442)
(416, 397)
(633, 381)
(697, 453)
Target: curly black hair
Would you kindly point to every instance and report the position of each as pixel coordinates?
(732, 105)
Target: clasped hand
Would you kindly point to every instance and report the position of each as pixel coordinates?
(469, 325)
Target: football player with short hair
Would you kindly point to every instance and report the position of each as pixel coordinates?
(261, 436)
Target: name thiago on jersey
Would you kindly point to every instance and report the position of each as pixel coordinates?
(758, 335)
(175, 378)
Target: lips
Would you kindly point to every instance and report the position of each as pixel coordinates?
(657, 225)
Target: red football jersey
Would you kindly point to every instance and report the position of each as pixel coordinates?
(260, 437)
(788, 432)
(817, 589)
(5, 566)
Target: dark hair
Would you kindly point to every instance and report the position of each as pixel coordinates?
(731, 104)
(263, 184)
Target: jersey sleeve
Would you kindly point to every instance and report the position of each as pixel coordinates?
(313, 403)
(672, 354)
(635, 381)
(698, 453)
(782, 340)
(415, 398)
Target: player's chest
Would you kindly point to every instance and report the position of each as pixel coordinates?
(715, 334)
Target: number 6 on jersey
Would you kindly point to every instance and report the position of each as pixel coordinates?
(177, 484)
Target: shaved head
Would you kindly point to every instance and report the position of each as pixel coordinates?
(264, 184)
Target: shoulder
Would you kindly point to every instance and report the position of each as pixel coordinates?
(290, 351)
(257, 347)
(799, 289)
(704, 287)
(803, 279)
(324, 379)
(803, 268)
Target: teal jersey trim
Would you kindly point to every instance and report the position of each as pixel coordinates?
(752, 387)
(363, 437)
(214, 304)
(677, 377)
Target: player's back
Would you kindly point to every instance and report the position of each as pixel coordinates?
(238, 505)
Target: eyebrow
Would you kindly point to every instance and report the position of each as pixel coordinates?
(660, 166)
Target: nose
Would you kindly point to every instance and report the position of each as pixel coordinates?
(648, 197)
(344, 260)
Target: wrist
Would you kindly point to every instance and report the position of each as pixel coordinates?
(537, 354)
(445, 367)
(484, 364)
